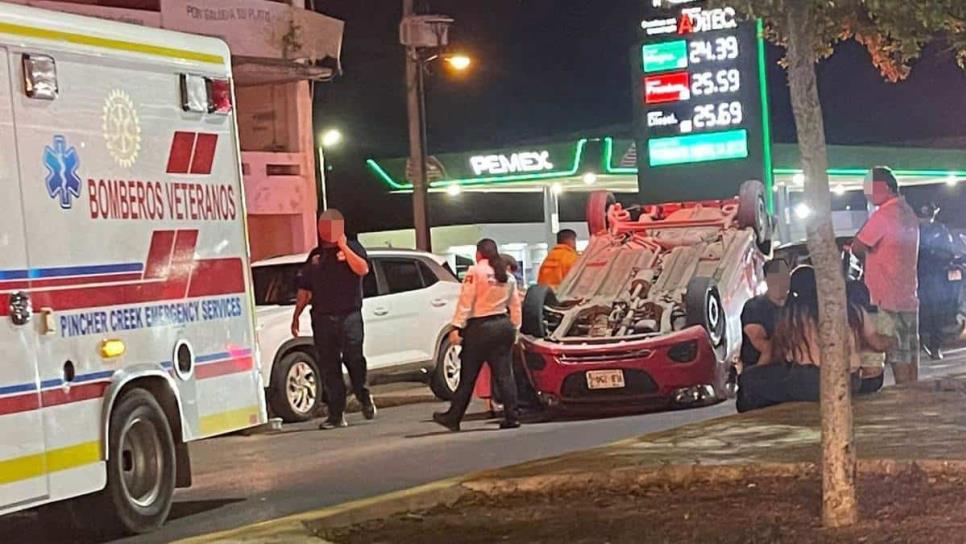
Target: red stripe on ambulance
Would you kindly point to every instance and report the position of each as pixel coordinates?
(169, 275)
(192, 153)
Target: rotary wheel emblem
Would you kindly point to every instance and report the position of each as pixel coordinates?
(122, 128)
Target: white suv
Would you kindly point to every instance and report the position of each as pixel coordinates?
(409, 299)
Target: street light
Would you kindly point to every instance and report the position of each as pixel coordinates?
(425, 38)
(459, 62)
(331, 138)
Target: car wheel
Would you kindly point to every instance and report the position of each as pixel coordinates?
(296, 389)
(446, 376)
(704, 308)
(753, 213)
(598, 204)
(140, 467)
(534, 322)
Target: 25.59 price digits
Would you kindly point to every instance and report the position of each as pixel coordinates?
(713, 51)
(718, 115)
(722, 81)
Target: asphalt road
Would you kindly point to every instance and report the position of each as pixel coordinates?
(245, 479)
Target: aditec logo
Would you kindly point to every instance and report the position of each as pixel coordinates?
(62, 162)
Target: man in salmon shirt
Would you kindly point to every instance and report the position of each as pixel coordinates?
(560, 260)
(890, 241)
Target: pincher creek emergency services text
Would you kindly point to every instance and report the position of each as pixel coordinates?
(146, 317)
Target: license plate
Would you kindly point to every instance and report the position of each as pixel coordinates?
(956, 275)
(605, 379)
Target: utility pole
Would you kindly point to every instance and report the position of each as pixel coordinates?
(416, 107)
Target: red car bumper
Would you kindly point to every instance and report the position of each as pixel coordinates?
(678, 369)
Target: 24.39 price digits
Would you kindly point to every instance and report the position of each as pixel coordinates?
(709, 83)
(717, 115)
(718, 50)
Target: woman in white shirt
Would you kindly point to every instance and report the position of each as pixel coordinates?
(487, 318)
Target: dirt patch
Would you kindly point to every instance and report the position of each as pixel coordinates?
(908, 507)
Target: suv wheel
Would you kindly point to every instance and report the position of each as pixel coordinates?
(296, 389)
(446, 376)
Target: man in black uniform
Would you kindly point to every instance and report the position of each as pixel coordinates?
(332, 281)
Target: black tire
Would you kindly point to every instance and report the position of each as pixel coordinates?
(445, 378)
(301, 369)
(538, 297)
(753, 213)
(140, 440)
(598, 203)
(704, 308)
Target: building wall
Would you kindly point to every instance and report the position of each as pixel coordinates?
(278, 161)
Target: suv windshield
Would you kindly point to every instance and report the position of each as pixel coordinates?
(276, 285)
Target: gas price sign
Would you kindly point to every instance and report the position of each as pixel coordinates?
(701, 105)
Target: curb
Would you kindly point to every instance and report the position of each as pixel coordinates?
(303, 527)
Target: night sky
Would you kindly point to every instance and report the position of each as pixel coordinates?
(549, 68)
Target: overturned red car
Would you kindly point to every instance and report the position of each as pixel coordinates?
(649, 316)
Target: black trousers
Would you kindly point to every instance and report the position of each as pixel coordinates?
(338, 341)
(487, 340)
(767, 385)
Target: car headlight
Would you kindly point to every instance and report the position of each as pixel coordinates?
(684, 352)
(535, 361)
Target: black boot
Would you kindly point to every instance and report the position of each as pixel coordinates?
(444, 419)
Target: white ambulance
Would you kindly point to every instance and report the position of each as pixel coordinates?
(126, 323)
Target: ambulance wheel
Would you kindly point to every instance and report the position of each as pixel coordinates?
(753, 213)
(141, 464)
(534, 322)
(598, 203)
(296, 389)
(446, 375)
(703, 306)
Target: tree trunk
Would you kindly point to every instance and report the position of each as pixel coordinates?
(839, 505)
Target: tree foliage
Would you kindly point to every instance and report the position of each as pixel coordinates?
(894, 31)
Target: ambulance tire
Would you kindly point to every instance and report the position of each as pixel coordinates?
(141, 467)
(302, 367)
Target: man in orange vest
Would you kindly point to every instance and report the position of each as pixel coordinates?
(560, 260)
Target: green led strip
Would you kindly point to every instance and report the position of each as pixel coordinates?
(864, 171)
(607, 159)
(769, 180)
(494, 180)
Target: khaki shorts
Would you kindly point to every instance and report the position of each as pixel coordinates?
(905, 327)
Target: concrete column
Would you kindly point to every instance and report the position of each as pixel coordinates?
(551, 215)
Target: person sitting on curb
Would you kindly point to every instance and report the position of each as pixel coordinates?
(794, 373)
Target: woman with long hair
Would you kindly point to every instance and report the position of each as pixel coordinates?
(794, 374)
(487, 318)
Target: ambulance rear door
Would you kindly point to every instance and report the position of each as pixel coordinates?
(23, 468)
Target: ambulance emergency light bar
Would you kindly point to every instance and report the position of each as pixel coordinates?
(202, 94)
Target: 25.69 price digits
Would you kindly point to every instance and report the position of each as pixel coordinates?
(722, 81)
(713, 51)
(717, 115)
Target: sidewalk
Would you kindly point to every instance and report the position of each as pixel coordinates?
(909, 441)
